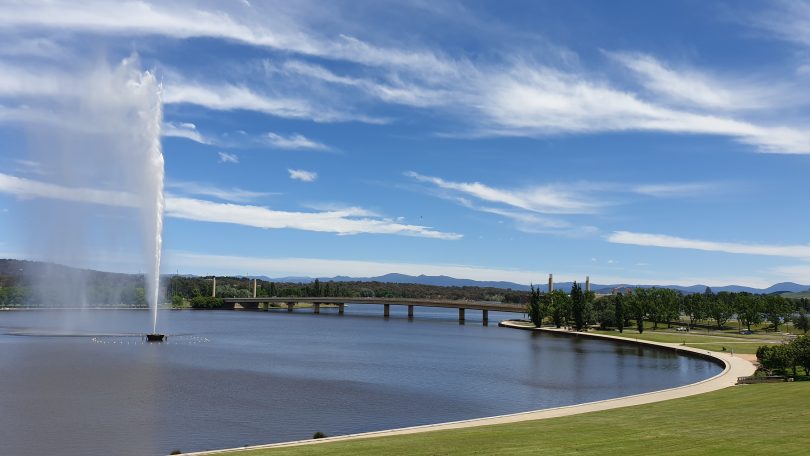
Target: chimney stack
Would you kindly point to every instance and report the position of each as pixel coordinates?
(587, 284)
(550, 283)
(214, 288)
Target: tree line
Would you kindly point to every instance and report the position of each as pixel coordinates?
(660, 306)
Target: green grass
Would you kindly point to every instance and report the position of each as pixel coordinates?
(693, 339)
(753, 419)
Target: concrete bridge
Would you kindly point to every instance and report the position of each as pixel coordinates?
(264, 303)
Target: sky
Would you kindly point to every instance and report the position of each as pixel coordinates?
(630, 141)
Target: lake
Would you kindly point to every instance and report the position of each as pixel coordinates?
(86, 383)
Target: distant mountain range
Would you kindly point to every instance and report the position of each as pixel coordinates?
(20, 269)
(445, 281)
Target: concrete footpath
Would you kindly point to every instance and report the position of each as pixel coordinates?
(734, 367)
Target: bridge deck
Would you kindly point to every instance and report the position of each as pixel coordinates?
(447, 303)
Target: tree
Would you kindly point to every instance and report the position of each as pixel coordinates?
(801, 348)
(775, 308)
(560, 303)
(720, 308)
(774, 358)
(694, 307)
(577, 306)
(603, 311)
(533, 308)
(748, 308)
(618, 303)
(639, 304)
(802, 321)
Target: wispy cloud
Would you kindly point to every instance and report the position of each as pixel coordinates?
(693, 88)
(673, 242)
(237, 195)
(542, 199)
(225, 157)
(27, 188)
(184, 130)
(302, 175)
(345, 221)
(294, 141)
(676, 190)
(513, 95)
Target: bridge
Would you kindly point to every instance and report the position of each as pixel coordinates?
(265, 303)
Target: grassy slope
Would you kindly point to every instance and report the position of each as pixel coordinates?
(751, 419)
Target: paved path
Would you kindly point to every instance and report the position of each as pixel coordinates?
(734, 367)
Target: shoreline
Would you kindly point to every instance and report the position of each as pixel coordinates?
(733, 367)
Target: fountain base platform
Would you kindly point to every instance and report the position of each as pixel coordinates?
(155, 337)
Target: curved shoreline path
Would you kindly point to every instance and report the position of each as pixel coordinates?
(735, 366)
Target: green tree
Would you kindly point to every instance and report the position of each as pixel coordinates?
(577, 306)
(748, 308)
(776, 308)
(638, 306)
(533, 307)
(802, 321)
(560, 303)
(618, 306)
(694, 307)
(720, 308)
(801, 349)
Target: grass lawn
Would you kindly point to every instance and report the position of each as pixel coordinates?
(715, 343)
(752, 419)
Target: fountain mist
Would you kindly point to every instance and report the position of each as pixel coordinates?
(98, 144)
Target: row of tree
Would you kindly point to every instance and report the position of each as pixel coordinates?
(785, 358)
(240, 287)
(663, 306)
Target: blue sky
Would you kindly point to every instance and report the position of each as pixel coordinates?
(632, 141)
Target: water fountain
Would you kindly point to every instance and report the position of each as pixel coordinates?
(99, 148)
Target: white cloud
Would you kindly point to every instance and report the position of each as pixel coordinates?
(661, 240)
(303, 176)
(237, 195)
(225, 157)
(346, 221)
(512, 95)
(786, 20)
(26, 188)
(690, 87)
(294, 142)
(675, 190)
(799, 273)
(343, 221)
(543, 199)
(184, 130)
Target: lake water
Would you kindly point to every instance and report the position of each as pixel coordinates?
(84, 382)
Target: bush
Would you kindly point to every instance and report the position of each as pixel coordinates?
(206, 302)
(318, 435)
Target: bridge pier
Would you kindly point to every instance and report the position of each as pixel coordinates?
(316, 307)
(410, 310)
(340, 308)
(290, 306)
(386, 310)
(485, 317)
(461, 315)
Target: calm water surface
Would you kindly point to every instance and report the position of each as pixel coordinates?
(84, 383)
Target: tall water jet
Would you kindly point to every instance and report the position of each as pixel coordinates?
(96, 144)
(153, 202)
